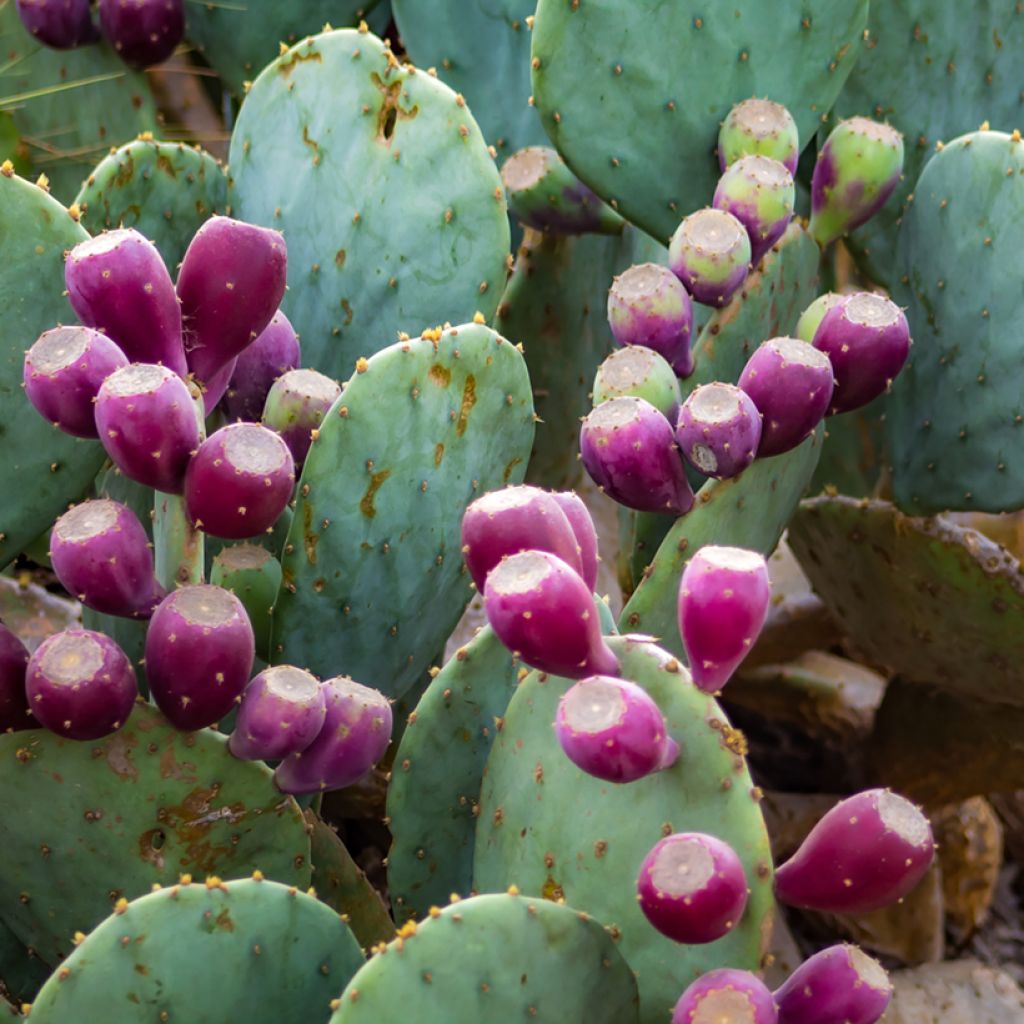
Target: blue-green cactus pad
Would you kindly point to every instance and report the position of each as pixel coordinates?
(378, 176)
(374, 581)
(632, 94)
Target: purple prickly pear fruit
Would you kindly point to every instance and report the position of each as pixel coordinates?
(648, 305)
(282, 712)
(199, 652)
(866, 853)
(544, 613)
(14, 710)
(759, 192)
(239, 482)
(726, 995)
(101, 554)
(80, 685)
(520, 518)
(231, 283)
(811, 317)
(64, 370)
(147, 422)
(710, 253)
(857, 170)
(759, 127)
(719, 430)
(613, 730)
(791, 384)
(143, 32)
(641, 373)
(355, 734)
(296, 406)
(839, 985)
(117, 283)
(723, 603)
(629, 450)
(867, 339)
(692, 888)
(216, 387)
(61, 24)
(582, 525)
(274, 352)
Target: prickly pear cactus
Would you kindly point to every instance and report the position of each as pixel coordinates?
(556, 305)
(482, 50)
(382, 183)
(933, 74)
(247, 949)
(455, 965)
(69, 106)
(165, 190)
(21, 973)
(555, 832)
(601, 66)
(373, 575)
(955, 420)
(434, 794)
(90, 823)
(44, 469)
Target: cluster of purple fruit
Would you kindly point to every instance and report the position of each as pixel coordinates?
(142, 32)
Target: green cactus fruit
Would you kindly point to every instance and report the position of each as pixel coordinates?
(555, 304)
(238, 40)
(756, 127)
(857, 170)
(341, 884)
(480, 48)
(165, 190)
(373, 575)
(641, 372)
(89, 823)
(253, 575)
(21, 973)
(249, 949)
(493, 959)
(749, 511)
(44, 469)
(550, 829)
(886, 577)
(546, 196)
(810, 319)
(435, 784)
(933, 74)
(955, 415)
(69, 106)
(678, 69)
(418, 235)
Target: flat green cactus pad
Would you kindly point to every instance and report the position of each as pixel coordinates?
(373, 575)
(435, 784)
(378, 176)
(955, 420)
(88, 823)
(554, 831)
(481, 49)
(603, 69)
(247, 950)
(69, 106)
(21, 973)
(933, 74)
(43, 469)
(750, 511)
(556, 304)
(932, 601)
(491, 960)
(166, 190)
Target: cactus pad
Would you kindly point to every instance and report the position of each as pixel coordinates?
(550, 829)
(165, 190)
(373, 573)
(248, 949)
(601, 66)
(89, 823)
(382, 184)
(494, 959)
